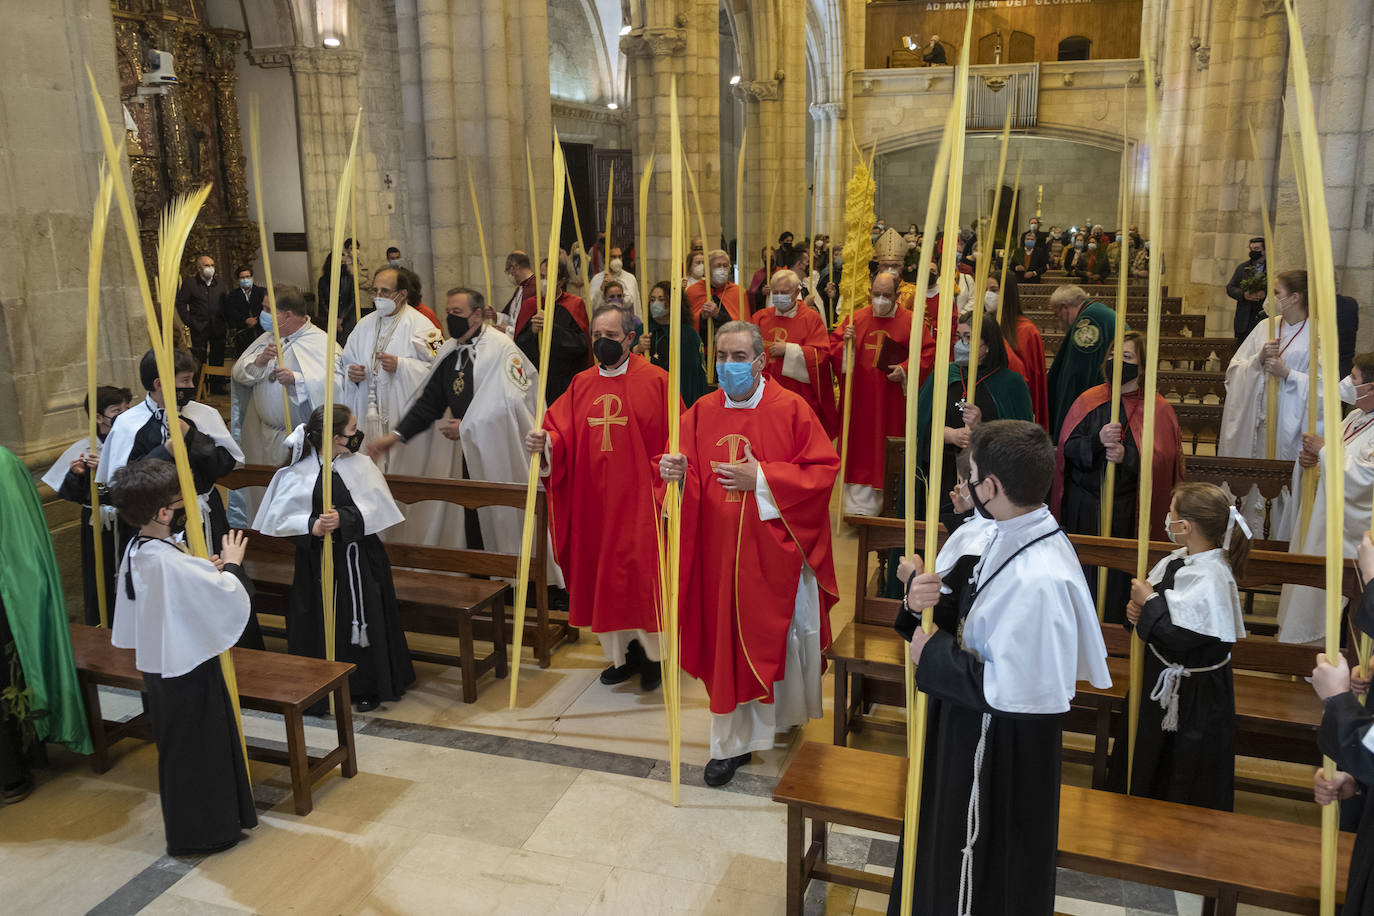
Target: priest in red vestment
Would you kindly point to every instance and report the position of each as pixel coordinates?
(723, 303)
(598, 441)
(758, 578)
(881, 333)
(798, 348)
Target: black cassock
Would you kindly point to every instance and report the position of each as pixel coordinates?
(364, 591)
(1085, 464)
(202, 783)
(76, 488)
(1345, 725)
(1195, 765)
(1018, 785)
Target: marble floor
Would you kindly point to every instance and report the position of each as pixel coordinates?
(560, 805)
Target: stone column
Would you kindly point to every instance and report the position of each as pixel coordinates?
(832, 175)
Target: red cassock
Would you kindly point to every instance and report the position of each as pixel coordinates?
(879, 344)
(728, 295)
(603, 436)
(805, 328)
(740, 574)
(1031, 350)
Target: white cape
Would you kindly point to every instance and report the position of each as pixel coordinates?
(183, 613)
(968, 540)
(1034, 626)
(1302, 610)
(1204, 597)
(120, 441)
(287, 507)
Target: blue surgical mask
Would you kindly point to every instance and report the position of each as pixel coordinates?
(735, 379)
(246, 282)
(961, 351)
(265, 321)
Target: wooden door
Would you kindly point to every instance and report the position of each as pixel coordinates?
(988, 46)
(622, 230)
(1022, 48)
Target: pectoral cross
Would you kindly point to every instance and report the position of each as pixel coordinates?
(610, 414)
(877, 348)
(736, 444)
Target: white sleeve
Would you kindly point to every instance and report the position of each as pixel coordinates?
(794, 364)
(768, 509)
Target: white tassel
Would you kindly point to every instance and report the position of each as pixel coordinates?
(355, 586)
(965, 904)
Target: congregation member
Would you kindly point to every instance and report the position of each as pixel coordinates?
(597, 443)
(1030, 261)
(798, 348)
(1076, 254)
(524, 302)
(1026, 346)
(142, 432)
(691, 351)
(70, 478)
(1187, 612)
(36, 663)
(1119, 253)
(720, 302)
(198, 306)
(1000, 393)
(393, 257)
(1287, 359)
(1055, 244)
(178, 612)
(880, 335)
(1088, 441)
(242, 308)
(413, 283)
(367, 630)
(301, 370)
(1016, 630)
(570, 348)
(1248, 288)
(1302, 609)
(348, 304)
(1088, 326)
(615, 270)
(758, 576)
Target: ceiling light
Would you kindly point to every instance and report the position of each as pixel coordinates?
(734, 80)
(625, 29)
(331, 42)
(612, 106)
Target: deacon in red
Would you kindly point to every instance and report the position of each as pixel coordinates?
(598, 441)
(798, 349)
(881, 333)
(758, 579)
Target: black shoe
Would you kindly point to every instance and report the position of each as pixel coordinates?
(720, 772)
(650, 675)
(634, 658)
(558, 598)
(15, 794)
(368, 703)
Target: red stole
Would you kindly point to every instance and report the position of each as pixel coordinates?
(603, 433)
(1168, 457)
(740, 574)
(727, 294)
(1031, 349)
(805, 328)
(529, 303)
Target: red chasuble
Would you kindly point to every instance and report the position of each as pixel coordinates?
(1168, 459)
(727, 294)
(806, 329)
(1031, 350)
(880, 404)
(740, 574)
(603, 435)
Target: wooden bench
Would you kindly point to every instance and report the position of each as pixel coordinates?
(1226, 858)
(267, 681)
(1239, 475)
(544, 633)
(1191, 352)
(1171, 325)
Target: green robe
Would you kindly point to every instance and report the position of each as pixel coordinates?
(693, 379)
(31, 591)
(1077, 365)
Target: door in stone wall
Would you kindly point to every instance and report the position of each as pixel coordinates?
(622, 228)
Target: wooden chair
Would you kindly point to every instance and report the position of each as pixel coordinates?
(208, 371)
(1227, 858)
(268, 681)
(1239, 475)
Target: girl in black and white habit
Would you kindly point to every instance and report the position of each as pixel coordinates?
(368, 630)
(1188, 613)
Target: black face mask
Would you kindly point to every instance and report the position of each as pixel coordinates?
(607, 351)
(978, 505)
(934, 278)
(1129, 372)
(355, 441)
(184, 396)
(1256, 255)
(458, 326)
(178, 522)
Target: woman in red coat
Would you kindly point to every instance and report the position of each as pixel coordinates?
(1024, 341)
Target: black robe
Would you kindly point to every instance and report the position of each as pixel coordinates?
(1195, 765)
(1344, 724)
(1017, 845)
(20, 749)
(384, 669)
(569, 351)
(76, 488)
(1085, 464)
(202, 783)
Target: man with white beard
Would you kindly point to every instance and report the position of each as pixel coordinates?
(302, 372)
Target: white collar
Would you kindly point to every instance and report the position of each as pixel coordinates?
(617, 371)
(749, 404)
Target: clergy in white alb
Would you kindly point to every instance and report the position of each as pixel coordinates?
(1302, 610)
(1288, 359)
(301, 372)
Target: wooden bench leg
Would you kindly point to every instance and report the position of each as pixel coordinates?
(95, 721)
(343, 721)
(299, 759)
(498, 638)
(467, 661)
(841, 703)
(796, 865)
(1100, 737)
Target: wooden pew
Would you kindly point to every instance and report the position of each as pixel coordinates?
(1180, 352)
(419, 563)
(1226, 858)
(1171, 325)
(268, 681)
(1239, 475)
(1188, 385)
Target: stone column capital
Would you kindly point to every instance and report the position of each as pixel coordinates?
(759, 90)
(655, 42)
(308, 60)
(827, 111)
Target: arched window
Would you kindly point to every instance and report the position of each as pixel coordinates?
(1075, 47)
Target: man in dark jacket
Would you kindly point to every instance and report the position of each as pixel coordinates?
(1249, 302)
(241, 306)
(198, 306)
(1030, 259)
